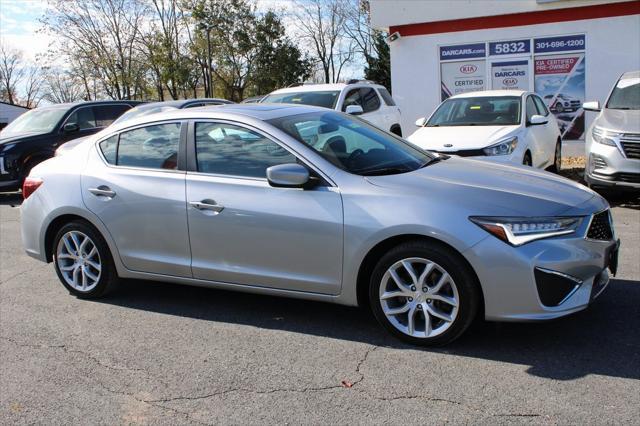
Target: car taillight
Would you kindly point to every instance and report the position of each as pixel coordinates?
(30, 185)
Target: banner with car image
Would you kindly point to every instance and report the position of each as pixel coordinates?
(560, 81)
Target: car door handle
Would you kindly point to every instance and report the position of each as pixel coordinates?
(103, 191)
(206, 205)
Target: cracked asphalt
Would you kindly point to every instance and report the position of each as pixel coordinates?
(156, 353)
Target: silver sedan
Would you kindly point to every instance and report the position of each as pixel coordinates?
(314, 204)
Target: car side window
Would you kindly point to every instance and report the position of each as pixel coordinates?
(531, 108)
(542, 108)
(353, 98)
(226, 149)
(83, 117)
(154, 147)
(370, 100)
(107, 114)
(387, 97)
(109, 148)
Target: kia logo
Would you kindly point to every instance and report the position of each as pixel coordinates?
(447, 145)
(468, 69)
(510, 82)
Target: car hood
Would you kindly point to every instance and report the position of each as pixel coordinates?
(18, 137)
(459, 137)
(625, 121)
(493, 189)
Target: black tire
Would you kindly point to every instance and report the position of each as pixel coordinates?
(108, 277)
(527, 161)
(557, 158)
(465, 281)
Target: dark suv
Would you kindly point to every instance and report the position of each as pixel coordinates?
(34, 136)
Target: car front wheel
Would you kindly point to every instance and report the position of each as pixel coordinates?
(83, 262)
(423, 293)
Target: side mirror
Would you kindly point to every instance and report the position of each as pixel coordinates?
(591, 106)
(420, 121)
(536, 120)
(290, 175)
(354, 110)
(71, 127)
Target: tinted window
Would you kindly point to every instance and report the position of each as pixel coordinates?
(353, 97)
(83, 117)
(387, 97)
(370, 100)
(153, 147)
(477, 111)
(107, 114)
(109, 148)
(626, 94)
(352, 144)
(531, 108)
(194, 105)
(542, 108)
(40, 120)
(231, 150)
(322, 99)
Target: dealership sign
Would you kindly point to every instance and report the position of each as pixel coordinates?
(463, 51)
(462, 77)
(510, 75)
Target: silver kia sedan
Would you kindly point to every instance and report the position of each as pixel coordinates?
(310, 203)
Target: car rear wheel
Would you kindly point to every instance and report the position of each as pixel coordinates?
(557, 158)
(83, 262)
(423, 293)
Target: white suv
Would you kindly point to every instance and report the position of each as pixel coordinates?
(372, 102)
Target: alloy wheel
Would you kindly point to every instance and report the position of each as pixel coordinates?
(78, 260)
(419, 297)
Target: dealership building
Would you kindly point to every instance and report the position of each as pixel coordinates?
(567, 51)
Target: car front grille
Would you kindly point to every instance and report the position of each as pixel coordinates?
(600, 228)
(631, 145)
(464, 152)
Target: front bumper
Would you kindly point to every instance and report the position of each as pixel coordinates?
(511, 290)
(608, 167)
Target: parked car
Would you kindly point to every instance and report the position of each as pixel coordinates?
(562, 103)
(613, 141)
(372, 102)
(152, 108)
(341, 212)
(506, 126)
(35, 135)
(252, 100)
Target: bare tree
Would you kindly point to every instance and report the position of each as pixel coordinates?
(32, 87)
(322, 25)
(11, 73)
(61, 87)
(102, 34)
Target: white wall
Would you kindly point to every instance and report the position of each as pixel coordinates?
(612, 48)
(385, 13)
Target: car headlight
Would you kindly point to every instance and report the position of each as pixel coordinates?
(503, 147)
(604, 136)
(521, 230)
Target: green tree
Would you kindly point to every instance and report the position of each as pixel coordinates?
(378, 66)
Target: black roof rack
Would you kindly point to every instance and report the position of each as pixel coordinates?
(357, 80)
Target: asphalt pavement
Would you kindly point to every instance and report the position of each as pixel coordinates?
(156, 353)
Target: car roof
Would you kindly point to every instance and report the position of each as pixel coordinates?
(487, 93)
(69, 105)
(181, 102)
(261, 111)
(322, 87)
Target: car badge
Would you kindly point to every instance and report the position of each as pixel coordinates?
(448, 145)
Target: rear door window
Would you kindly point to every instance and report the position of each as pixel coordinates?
(109, 148)
(154, 147)
(107, 114)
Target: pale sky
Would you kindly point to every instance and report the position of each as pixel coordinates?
(19, 23)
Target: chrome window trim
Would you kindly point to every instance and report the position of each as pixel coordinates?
(153, 123)
(266, 135)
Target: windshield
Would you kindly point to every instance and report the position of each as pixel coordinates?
(142, 111)
(34, 121)
(325, 99)
(352, 144)
(480, 111)
(626, 94)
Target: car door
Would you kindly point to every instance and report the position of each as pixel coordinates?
(535, 135)
(551, 131)
(244, 231)
(133, 185)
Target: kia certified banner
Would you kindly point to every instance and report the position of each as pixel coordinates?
(510, 75)
(462, 77)
(559, 80)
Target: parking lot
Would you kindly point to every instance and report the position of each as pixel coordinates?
(156, 353)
